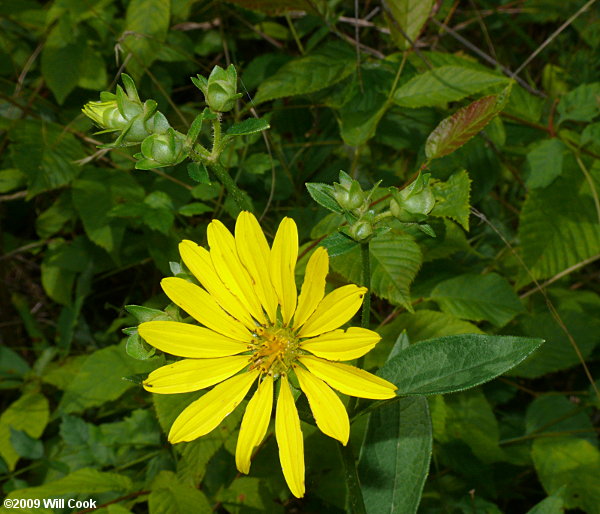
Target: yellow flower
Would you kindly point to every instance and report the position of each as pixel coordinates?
(254, 321)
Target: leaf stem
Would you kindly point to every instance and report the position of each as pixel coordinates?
(365, 258)
(223, 175)
(356, 504)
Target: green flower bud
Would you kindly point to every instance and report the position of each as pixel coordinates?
(362, 230)
(125, 113)
(160, 150)
(220, 88)
(348, 193)
(414, 202)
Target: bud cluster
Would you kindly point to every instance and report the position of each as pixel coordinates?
(413, 203)
(137, 122)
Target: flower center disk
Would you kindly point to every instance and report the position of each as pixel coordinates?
(275, 349)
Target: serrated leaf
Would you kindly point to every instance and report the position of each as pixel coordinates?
(331, 64)
(323, 195)
(558, 228)
(452, 198)
(581, 104)
(46, 153)
(338, 244)
(478, 297)
(25, 445)
(248, 126)
(545, 161)
(407, 16)
(395, 260)
(454, 363)
(170, 495)
(394, 458)
(444, 84)
(198, 172)
(456, 130)
(146, 25)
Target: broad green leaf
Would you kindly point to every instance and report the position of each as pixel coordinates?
(92, 70)
(46, 153)
(328, 66)
(170, 496)
(194, 209)
(94, 194)
(558, 352)
(468, 417)
(146, 23)
(444, 84)
(552, 505)
(52, 219)
(143, 314)
(478, 297)
(552, 238)
(457, 129)
(198, 172)
(338, 244)
(323, 195)
(25, 445)
(552, 413)
(62, 79)
(248, 126)
(248, 494)
(82, 481)
(454, 363)
(572, 462)
(452, 198)
(407, 16)
(100, 378)
(395, 260)
(545, 161)
(394, 458)
(30, 414)
(137, 348)
(581, 104)
(11, 179)
(12, 368)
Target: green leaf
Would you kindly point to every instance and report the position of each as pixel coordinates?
(456, 130)
(146, 25)
(394, 459)
(323, 195)
(11, 179)
(468, 417)
(30, 413)
(407, 16)
(62, 79)
(444, 84)
(94, 194)
(138, 349)
(545, 161)
(478, 297)
(92, 70)
(46, 153)
(453, 363)
(158, 212)
(558, 228)
(452, 198)
(25, 445)
(52, 219)
(331, 64)
(143, 314)
(100, 378)
(248, 126)
(338, 244)
(570, 462)
(558, 352)
(395, 260)
(194, 209)
(82, 481)
(552, 505)
(581, 104)
(12, 368)
(198, 172)
(170, 496)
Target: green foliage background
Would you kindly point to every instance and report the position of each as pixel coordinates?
(83, 234)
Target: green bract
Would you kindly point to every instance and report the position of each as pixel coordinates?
(220, 88)
(159, 150)
(413, 203)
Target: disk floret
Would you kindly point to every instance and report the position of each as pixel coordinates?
(275, 350)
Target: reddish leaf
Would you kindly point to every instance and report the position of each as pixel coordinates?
(456, 130)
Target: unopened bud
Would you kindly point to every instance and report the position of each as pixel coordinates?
(220, 90)
(361, 230)
(159, 150)
(414, 202)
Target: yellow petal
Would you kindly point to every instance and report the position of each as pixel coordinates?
(342, 346)
(198, 261)
(185, 340)
(206, 413)
(198, 303)
(349, 380)
(289, 440)
(284, 255)
(328, 410)
(253, 251)
(193, 374)
(334, 310)
(255, 424)
(313, 288)
(224, 256)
